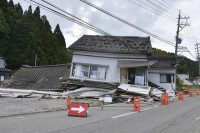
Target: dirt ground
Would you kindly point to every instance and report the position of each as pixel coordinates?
(17, 106)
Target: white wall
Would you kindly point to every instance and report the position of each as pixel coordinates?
(2, 63)
(184, 76)
(111, 63)
(154, 77)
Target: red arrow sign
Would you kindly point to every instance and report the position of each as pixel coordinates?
(78, 109)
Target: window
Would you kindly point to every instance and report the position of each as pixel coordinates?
(84, 71)
(89, 71)
(166, 78)
(1, 78)
(93, 72)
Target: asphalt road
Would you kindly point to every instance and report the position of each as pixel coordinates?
(177, 117)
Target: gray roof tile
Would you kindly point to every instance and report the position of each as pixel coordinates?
(39, 77)
(113, 44)
(163, 62)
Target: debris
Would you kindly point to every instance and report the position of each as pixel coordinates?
(107, 99)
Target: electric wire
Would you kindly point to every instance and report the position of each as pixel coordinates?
(152, 3)
(167, 7)
(160, 14)
(172, 7)
(153, 8)
(128, 23)
(70, 19)
(74, 16)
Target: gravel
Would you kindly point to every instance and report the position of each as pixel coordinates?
(19, 106)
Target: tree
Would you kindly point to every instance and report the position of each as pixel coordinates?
(37, 12)
(29, 12)
(18, 9)
(179, 82)
(24, 35)
(4, 31)
(59, 36)
(11, 4)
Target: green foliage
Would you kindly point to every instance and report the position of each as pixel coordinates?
(179, 82)
(158, 52)
(22, 36)
(4, 33)
(188, 66)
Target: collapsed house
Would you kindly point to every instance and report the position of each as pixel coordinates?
(111, 60)
(4, 73)
(45, 78)
(119, 62)
(100, 66)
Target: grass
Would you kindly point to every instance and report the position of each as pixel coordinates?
(186, 88)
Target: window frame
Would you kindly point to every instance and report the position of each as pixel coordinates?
(171, 76)
(89, 71)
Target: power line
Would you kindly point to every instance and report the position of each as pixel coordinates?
(172, 7)
(154, 9)
(161, 8)
(167, 7)
(71, 19)
(160, 14)
(75, 17)
(128, 23)
(189, 37)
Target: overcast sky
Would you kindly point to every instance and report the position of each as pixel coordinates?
(156, 24)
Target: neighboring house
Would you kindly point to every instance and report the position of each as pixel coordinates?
(196, 81)
(184, 76)
(163, 72)
(49, 78)
(4, 73)
(110, 60)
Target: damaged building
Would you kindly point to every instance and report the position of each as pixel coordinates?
(111, 60)
(45, 78)
(103, 63)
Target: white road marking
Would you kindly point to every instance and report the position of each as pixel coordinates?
(149, 108)
(123, 115)
(132, 112)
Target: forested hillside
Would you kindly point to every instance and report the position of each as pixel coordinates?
(185, 66)
(23, 34)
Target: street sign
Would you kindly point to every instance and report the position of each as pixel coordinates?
(78, 109)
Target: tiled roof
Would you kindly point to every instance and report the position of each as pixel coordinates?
(113, 44)
(163, 62)
(38, 78)
(77, 83)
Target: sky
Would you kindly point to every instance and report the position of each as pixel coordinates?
(157, 23)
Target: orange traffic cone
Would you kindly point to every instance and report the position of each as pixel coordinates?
(68, 102)
(197, 92)
(136, 106)
(191, 93)
(180, 96)
(164, 99)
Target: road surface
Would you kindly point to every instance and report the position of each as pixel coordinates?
(177, 117)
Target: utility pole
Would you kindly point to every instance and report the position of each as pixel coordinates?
(177, 36)
(180, 26)
(198, 58)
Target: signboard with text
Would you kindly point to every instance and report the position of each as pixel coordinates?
(78, 109)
